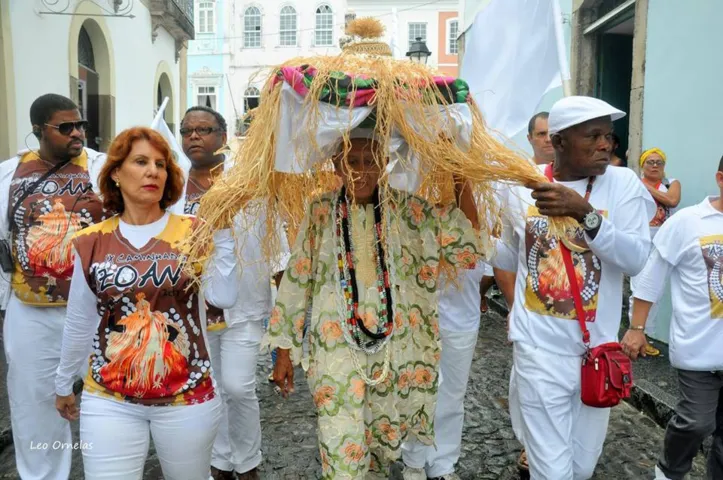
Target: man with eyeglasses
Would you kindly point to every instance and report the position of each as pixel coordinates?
(234, 335)
(45, 197)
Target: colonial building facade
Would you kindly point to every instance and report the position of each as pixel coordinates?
(118, 59)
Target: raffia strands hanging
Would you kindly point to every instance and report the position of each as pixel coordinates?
(434, 116)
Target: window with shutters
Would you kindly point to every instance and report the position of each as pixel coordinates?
(452, 34)
(252, 28)
(206, 96)
(206, 17)
(324, 32)
(417, 30)
(287, 27)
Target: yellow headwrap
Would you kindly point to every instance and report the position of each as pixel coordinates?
(649, 152)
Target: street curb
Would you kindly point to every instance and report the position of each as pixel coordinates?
(645, 396)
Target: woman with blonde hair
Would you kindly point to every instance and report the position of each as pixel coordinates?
(133, 306)
(666, 193)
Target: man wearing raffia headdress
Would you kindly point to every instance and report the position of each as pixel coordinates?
(412, 154)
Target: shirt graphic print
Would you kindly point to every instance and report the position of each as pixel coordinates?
(149, 348)
(548, 290)
(712, 249)
(44, 224)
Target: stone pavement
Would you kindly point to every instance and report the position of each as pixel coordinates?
(489, 450)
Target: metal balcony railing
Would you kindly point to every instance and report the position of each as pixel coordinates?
(186, 6)
(176, 16)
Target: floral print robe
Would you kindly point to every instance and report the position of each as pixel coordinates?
(361, 427)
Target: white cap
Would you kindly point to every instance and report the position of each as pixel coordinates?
(570, 111)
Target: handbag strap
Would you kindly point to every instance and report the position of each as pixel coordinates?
(28, 191)
(570, 269)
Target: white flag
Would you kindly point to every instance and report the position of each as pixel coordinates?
(512, 59)
(159, 124)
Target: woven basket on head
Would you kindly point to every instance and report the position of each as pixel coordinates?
(369, 48)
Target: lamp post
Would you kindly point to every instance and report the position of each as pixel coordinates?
(418, 51)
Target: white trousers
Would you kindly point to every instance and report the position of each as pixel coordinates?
(115, 437)
(32, 338)
(563, 438)
(457, 353)
(234, 353)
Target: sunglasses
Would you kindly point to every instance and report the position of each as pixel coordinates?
(202, 131)
(66, 128)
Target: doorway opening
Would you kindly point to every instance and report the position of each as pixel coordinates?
(88, 89)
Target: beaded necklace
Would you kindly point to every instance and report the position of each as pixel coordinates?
(359, 334)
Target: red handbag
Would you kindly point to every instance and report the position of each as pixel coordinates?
(607, 373)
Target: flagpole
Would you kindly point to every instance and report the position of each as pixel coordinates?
(561, 51)
(160, 113)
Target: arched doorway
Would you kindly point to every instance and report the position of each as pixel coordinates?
(163, 90)
(92, 79)
(88, 88)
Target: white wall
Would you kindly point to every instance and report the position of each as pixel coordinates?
(41, 61)
(683, 102)
(136, 63)
(41, 52)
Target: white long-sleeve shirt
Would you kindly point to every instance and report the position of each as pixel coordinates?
(220, 288)
(689, 249)
(543, 313)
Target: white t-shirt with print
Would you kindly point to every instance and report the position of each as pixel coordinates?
(543, 313)
(689, 248)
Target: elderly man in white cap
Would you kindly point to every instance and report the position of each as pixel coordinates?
(562, 436)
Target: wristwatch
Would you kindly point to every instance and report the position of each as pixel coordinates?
(591, 221)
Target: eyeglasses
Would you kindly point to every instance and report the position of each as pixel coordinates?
(655, 163)
(66, 128)
(202, 131)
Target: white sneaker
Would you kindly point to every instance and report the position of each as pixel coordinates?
(659, 475)
(410, 473)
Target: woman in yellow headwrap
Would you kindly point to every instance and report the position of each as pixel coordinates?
(666, 193)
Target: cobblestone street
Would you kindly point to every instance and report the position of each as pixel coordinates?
(489, 450)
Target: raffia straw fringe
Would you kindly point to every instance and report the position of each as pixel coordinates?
(286, 196)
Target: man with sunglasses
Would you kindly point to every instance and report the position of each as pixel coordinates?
(234, 335)
(45, 197)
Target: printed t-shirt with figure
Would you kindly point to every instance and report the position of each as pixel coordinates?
(44, 224)
(547, 317)
(690, 244)
(150, 347)
(214, 316)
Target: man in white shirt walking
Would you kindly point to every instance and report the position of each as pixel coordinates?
(45, 197)
(562, 436)
(688, 248)
(234, 335)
